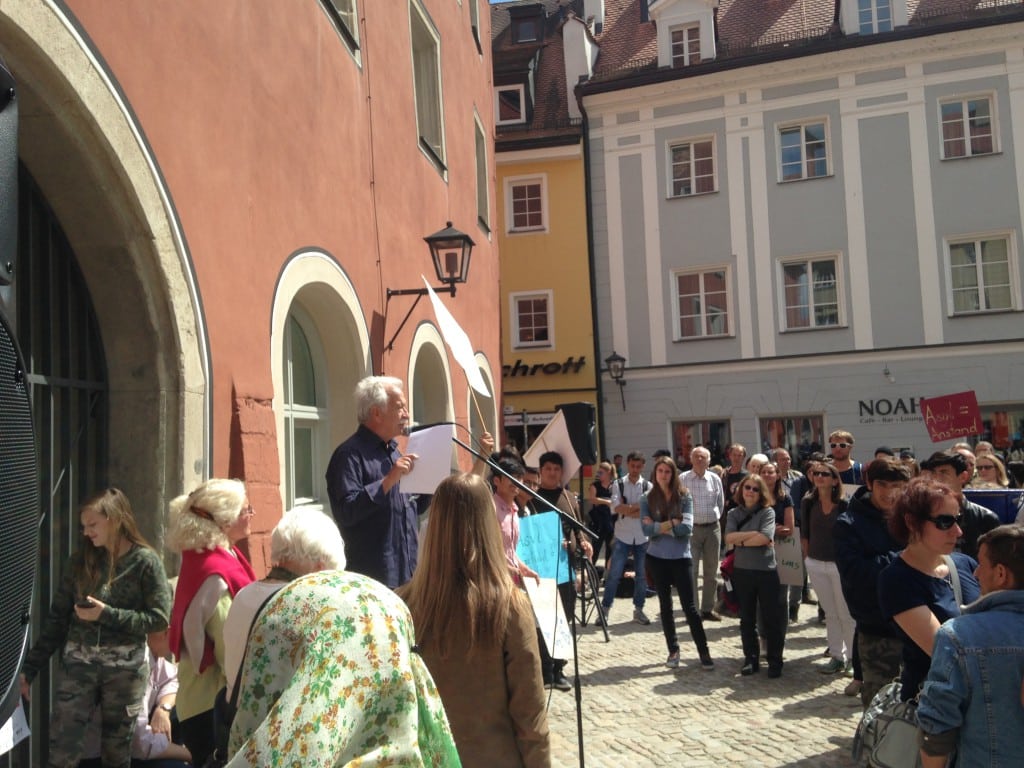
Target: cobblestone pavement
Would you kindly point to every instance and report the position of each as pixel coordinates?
(638, 712)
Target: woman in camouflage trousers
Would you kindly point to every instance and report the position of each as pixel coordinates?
(112, 596)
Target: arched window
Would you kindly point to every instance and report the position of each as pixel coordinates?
(305, 413)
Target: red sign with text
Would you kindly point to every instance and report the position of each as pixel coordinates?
(951, 416)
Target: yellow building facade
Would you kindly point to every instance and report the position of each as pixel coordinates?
(546, 311)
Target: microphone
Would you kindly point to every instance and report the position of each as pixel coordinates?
(415, 426)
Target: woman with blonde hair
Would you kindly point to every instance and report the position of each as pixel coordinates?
(205, 526)
(112, 596)
(991, 473)
(476, 632)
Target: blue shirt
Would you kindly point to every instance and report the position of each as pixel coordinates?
(675, 544)
(974, 682)
(901, 588)
(381, 530)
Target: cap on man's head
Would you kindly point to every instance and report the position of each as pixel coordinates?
(953, 459)
(885, 449)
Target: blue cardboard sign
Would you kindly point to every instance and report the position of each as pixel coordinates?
(540, 546)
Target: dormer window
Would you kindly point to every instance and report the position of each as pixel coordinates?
(685, 31)
(874, 16)
(527, 23)
(686, 45)
(525, 31)
(870, 17)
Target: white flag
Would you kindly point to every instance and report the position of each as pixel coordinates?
(458, 342)
(555, 437)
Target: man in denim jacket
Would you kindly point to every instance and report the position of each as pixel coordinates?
(973, 700)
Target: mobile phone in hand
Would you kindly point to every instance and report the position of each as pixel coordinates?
(84, 602)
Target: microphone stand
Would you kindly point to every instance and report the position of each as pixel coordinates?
(579, 528)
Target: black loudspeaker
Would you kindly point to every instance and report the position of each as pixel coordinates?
(8, 174)
(19, 516)
(579, 418)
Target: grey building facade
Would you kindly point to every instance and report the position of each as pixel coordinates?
(812, 234)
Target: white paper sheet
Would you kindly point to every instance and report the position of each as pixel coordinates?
(433, 447)
(14, 730)
(547, 609)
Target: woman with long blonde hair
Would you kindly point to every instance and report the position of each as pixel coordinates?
(476, 631)
(112, 596)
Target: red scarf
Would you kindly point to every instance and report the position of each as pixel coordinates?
(196, 567)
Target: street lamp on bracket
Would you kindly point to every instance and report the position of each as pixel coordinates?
(616, 364)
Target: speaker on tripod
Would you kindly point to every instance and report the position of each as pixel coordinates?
(19, 484)
(579, 420)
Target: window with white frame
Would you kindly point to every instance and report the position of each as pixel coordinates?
(526, 204)
(685, 45)
(702, 303)
(532, 319)
(811, 292)
(483, 205)
(967, 127)
(981, 275)
(474, 23)
(803, 150)
(693, 167)
(874, 16)
(305, 412)
(346, 18)
(426, 65)
(509, 104)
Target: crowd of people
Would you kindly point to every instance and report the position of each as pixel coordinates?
(397, 629)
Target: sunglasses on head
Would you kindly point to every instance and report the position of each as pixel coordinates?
(945, 522)
(822, 473)
(839, 445)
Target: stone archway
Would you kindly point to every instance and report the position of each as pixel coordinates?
(80, 142)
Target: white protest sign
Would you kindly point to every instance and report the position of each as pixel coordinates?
(547, 608)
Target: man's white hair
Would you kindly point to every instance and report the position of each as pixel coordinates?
(372, 392)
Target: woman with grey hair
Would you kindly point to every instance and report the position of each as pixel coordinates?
(204, 527)
(304, 541)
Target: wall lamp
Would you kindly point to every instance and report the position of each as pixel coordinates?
(450, 250)
(889, 376)
(617, 370)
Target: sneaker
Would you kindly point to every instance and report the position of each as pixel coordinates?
(705, 661)
(750, 668)
(774, 671)
(853, 688)
(607, 610)
(672, 661)
(833, 667)
(710, 616)
(562, 683)
(640, 617)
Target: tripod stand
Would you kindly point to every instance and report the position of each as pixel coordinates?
(586, 594)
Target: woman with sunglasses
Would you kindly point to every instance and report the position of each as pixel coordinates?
(818, 513)
(916, 589)
(204, 527)
(666, 516)
(750, 530)
(991, 473)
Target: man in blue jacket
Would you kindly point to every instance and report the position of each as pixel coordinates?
(972, 699)
(864, 548)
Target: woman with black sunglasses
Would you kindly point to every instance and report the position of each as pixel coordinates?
(916, 589)
(750, 530)
(818, 513)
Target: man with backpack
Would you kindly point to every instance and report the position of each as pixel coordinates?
(629, 537)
